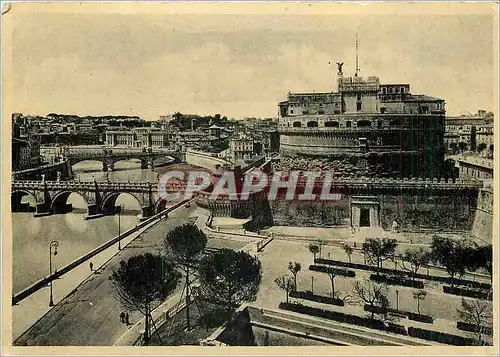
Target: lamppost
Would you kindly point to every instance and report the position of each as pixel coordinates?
(54, 244)
(397, 299)
(312, 285)
(119, 228)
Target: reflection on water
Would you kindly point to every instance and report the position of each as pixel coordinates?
(76, 236)
(129, 170)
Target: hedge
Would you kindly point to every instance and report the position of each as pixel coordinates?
(411, 315)
(323, 269)
(308, 295)
(397, 280)
(441, 337)
(341, 317)
(442, 279)
(465, 326)
(467, 292)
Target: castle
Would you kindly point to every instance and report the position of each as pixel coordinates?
(365, 128)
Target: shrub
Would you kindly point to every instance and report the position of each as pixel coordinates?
(395, 328)
(307, 295)
(397, 280)
(341, 317)
(467, 292)
(411, 315)
(342, 272)
(442, 279)
(441, 337)
(465, 326)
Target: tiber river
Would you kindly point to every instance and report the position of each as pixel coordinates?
(76, 236)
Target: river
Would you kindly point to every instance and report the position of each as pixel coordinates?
(76, 236)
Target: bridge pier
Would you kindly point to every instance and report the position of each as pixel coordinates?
(93, 212)
(147, 211)
(43, 209)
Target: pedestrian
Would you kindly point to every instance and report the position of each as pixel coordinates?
(127, 319)
(91, 265)
(122, 316)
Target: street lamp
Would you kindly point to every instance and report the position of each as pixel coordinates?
(312, 285)
(397, 299)
(119, 228)
(54, 244)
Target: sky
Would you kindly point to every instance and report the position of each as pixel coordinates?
(239, 65)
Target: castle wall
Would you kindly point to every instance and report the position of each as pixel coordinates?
(411, 211)
(482, 227)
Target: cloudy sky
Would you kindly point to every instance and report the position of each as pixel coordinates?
(238, 65)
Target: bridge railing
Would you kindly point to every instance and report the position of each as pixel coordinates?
(43, 282)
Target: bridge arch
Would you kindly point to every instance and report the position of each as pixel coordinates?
(109, 201)
(16, 199)
(312, 124)
(59, 203)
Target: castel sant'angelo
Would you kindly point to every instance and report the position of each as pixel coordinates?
(385, 148)
(365, 128)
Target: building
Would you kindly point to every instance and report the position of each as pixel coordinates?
(142, 137)
(465, 132)
(473, 167)
(25, 149)
(365, 128)
(241, 147)
(484, 137)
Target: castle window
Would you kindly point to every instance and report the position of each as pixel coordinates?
(336, 105)
(297, 124)
(358, 97)
(321, 111)
(402, 89)
(331, 124)
(384, 90)
(291, 111)
(312, 124)
(364, 123)
(358, 106)
(348, 124)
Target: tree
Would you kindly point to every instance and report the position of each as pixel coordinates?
(476, 312)
(184, 245)
(481, 147)
(229, 278)
(419, 295)
(332, 276)
(372, 294)
(348, 250)
(414, 259)
(378, 250)
(142, 283)
(314, 249)
(285, 283)
(484, 256)
(450, 254)
(294, 268)
(320, 243)
(462, 146)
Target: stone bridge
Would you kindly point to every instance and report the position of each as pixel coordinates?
(109, 156)
(100, 197)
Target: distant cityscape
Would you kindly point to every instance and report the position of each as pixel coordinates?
(238, 141)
